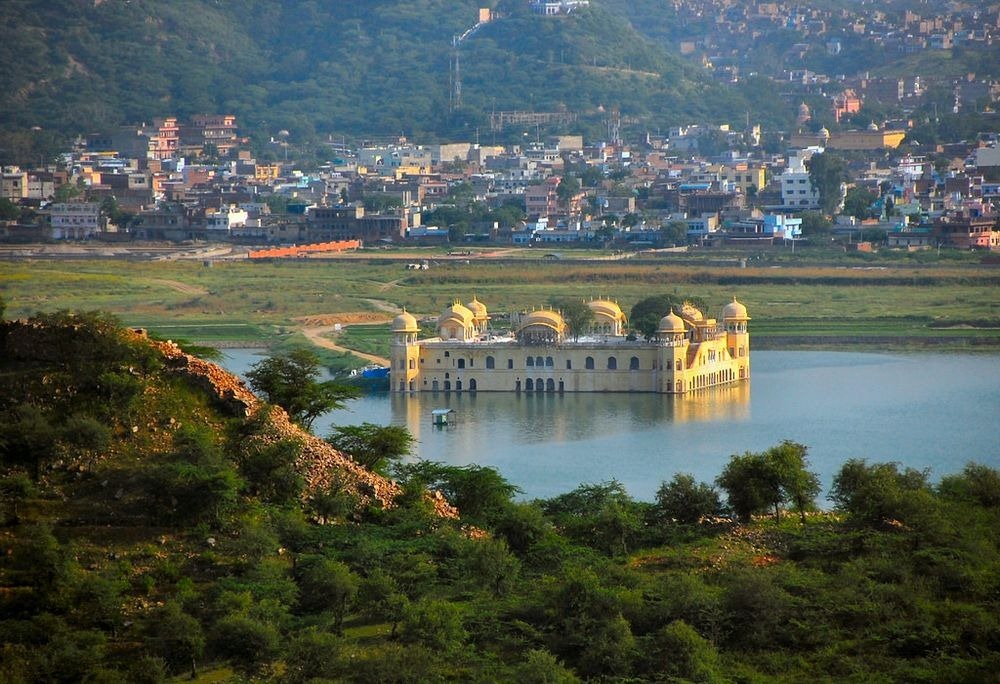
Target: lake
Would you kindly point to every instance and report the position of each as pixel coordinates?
(936, 411)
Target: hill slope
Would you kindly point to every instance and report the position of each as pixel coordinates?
(380, 67)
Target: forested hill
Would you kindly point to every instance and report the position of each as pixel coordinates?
(379, 67)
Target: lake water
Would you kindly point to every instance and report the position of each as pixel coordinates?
(936, 411)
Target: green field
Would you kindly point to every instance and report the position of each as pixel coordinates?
(954, 303)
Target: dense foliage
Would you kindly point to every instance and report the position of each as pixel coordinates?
(150, 541)
(312, 68)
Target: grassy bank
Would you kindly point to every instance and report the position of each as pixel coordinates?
(898, 305)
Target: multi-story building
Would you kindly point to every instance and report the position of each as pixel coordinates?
(74, 220)
(326, 224)
(797, 190)
(13, 183)
(689, 352)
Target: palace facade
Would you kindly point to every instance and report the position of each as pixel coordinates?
(688, 352)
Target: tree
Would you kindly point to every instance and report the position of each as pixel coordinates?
(755, 482)
(799, 486)
(491, 562)
(247, 643)
(576, 313)
(177, 638)
(814, 223)
(684, 500)
(15, 488)
(567, 189)
(686, 655)
(481, 493)
(674, 232)
(647, 312)
(372, 446)
(541, 667)
(858, 203)
(751, 485)
(434, 624)
(290, 381)
(269, 469)
(380, 598)
(828, 174)
(328, 585)
(8, 210)
(879, 493)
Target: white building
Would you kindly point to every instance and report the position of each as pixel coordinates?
(797, 191)
(75, 220)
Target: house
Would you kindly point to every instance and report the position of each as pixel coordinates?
(74, 220)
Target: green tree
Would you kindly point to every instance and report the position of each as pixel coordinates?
(686, 501)
(372, 446)
(380, 598)
(858, 202)
(15, 488)
(8, 210)
(799, 485)
(647, 312)
(684, 654)
(481, 493)
(828, 174)
(576, 313)
(270, 472)
(880, 493)
(248, 644)
(492, 564)
(674, 232)
(814, 223)
(567, 189)
(178, 638)
(313, 656)
(434, 624)
(752, 485)
(327, 585)
(290, 381)
(541, 667)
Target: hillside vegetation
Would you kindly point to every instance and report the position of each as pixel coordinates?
(379, 67)
(154, 527)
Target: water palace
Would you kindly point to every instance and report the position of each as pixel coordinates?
(689, 352)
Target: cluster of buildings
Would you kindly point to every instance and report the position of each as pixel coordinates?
(538, 353)
(137, 183)
(724, 35)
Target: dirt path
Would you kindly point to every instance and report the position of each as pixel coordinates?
(316, 336)
(179, 286)
(316, 328)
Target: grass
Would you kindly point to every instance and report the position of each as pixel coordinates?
(242, 303)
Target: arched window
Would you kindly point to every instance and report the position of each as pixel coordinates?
(548, 362)
(612, 363)
(510, 364)
(562, 386)
(490, 363)
(589, 363)
(447, 385)
(539, 385)
(679, 365)
(633, 363)
(531, 361)
(461, 363)
(550, 385)
(434, 386)
(529, 385)
(680, 387)
(539, 361)
(472, 385)
(458, 385)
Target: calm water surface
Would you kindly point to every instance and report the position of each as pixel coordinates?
(936, 411)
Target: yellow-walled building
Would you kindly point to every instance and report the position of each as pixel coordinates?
(688, 352)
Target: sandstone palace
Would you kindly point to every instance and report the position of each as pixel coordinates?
(688, 352)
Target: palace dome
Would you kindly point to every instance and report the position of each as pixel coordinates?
(735, 311)
(544, 318)
(691, 312)
(456, 312)
(605, 308)
(405, 323)
(478, 309)
(671, 323)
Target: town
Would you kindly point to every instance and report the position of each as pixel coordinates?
(197, 181)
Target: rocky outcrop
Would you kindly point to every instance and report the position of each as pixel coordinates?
(320, 464)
